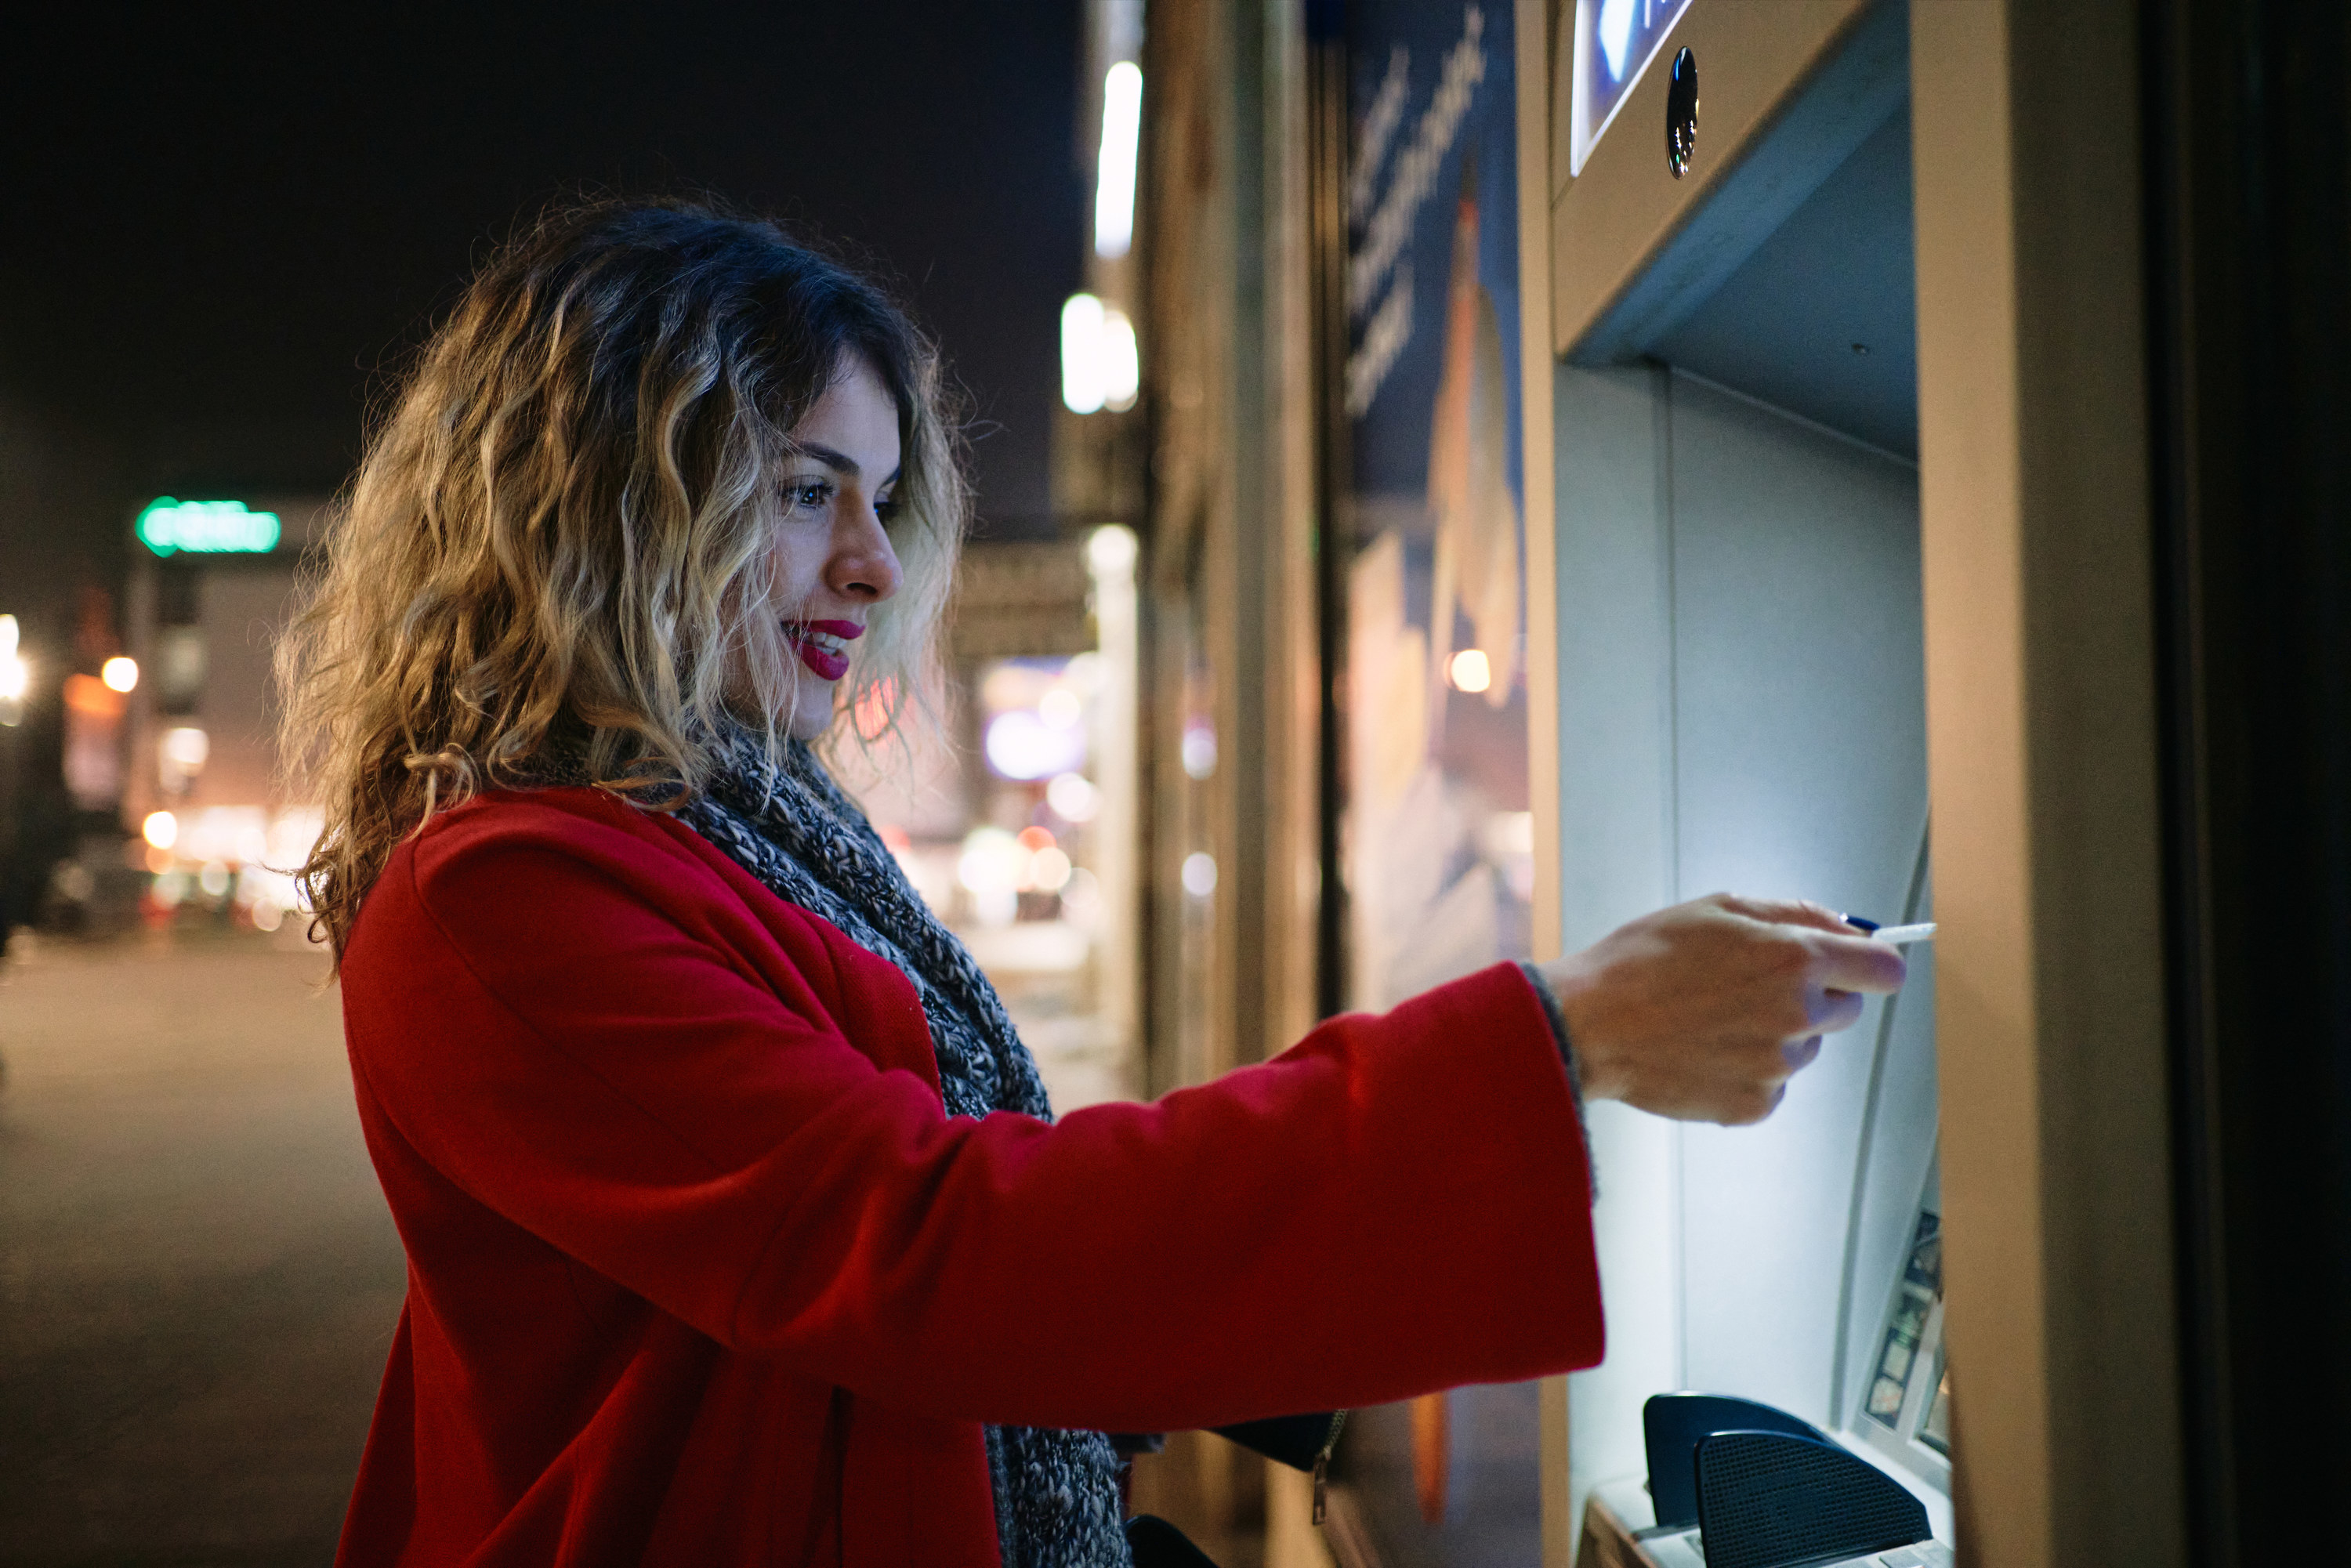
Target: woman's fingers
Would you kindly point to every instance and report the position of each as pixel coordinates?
(1858, 964)
(1833, 1012)
(1703, 1011)
(1782, 912)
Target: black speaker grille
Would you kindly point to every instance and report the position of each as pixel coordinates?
(1769, 1501)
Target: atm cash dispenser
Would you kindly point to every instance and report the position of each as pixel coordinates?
(1742, 707)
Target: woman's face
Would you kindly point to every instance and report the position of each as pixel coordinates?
(832, 562)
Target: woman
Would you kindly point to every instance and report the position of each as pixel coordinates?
(738, 1226)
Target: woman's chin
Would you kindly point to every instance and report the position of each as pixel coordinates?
(807, 720)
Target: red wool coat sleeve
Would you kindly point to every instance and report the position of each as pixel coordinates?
(700, 1271)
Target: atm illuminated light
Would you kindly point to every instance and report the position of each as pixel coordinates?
(206, 527)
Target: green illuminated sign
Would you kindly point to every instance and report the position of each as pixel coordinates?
(206, 527)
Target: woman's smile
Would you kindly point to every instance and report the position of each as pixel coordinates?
(831, 559)
(823, 646)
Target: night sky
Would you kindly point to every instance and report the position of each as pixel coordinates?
(220, 233)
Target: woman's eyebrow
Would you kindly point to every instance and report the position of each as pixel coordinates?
(841, 463)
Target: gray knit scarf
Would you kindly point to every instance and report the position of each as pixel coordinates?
(1057, 1502)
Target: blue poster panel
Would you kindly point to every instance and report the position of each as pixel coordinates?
(1438, 841)
(1440, 862)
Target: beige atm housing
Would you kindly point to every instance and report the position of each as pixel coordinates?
(1799, 533)
(1742, 707)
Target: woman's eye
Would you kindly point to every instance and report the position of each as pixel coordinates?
(814, 494)
(887, 510)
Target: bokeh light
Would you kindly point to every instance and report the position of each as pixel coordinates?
(1200, 873)
(1469, 670)
(1073, 797)
(1021, 744)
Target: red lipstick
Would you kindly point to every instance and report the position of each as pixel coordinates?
(822, 645)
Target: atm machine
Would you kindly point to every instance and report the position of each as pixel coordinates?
(1741, 706)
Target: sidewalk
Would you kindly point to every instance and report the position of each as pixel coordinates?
(198, 1280)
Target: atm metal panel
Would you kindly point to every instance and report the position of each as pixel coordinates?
(1800, 767)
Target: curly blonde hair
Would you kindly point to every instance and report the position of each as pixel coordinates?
(551, 540)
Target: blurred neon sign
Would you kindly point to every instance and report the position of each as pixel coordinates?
(206, 527)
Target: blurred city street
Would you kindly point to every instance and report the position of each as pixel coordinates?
(198, 1278)
(1278, 516)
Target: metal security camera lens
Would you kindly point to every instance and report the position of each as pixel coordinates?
(1681, 114)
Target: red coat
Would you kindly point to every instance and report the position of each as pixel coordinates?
(700, 1271)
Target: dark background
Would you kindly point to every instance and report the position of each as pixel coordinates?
(221, 231)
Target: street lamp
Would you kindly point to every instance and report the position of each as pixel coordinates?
(15, 674)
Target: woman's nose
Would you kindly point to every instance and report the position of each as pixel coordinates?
(864, 563)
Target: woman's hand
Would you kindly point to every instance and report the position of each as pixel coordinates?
(1703, 1012)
